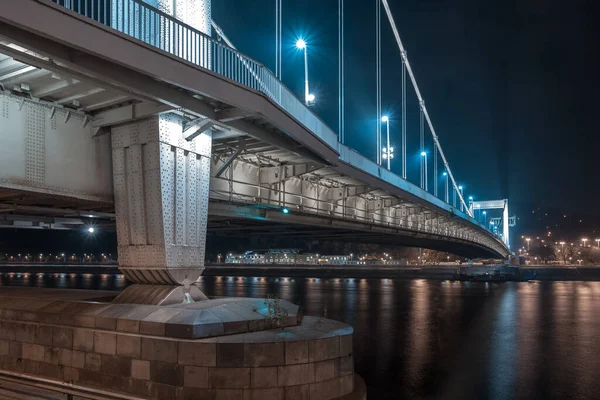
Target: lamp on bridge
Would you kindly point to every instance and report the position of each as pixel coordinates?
(309, 98)
(460, 189)
(485, 217)
(445, 174)
(388, 151)
(424, 155)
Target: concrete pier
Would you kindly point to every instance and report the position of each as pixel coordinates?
(234, 348)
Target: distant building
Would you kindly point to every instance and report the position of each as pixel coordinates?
(272, 256)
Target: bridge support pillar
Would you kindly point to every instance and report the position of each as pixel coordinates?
(161, 189)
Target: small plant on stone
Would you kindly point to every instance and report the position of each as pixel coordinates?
(276, 314)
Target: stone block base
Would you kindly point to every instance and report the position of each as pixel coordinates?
(211, 349)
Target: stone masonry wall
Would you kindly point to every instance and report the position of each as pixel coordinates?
(132, 357)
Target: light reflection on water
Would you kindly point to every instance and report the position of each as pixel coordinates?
(426, 339)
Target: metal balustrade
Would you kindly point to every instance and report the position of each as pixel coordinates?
(158, 29)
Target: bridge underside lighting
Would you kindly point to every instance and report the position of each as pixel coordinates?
(285, 210)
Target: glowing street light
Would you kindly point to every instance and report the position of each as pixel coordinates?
(309, 98)
(598, 242)
(447, 187)
(424, 155)
(91, 229)
(485, 217)
(528, 240)
(388, 151)
(584, 240)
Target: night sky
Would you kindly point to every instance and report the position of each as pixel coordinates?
(510, 85)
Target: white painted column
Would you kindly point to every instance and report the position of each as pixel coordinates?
(161, 186)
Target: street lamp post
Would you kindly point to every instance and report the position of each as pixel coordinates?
(485, 218)
(388, 151)
(424, 155)
(447, 192)
(528, 240)
(461, 203)
(584, 240)
(598, 242)
(309, 98)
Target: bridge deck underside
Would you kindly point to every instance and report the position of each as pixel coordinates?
(286, 234)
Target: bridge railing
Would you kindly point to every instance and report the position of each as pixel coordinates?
(158, 29)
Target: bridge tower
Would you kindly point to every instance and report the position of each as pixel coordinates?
(161, 173)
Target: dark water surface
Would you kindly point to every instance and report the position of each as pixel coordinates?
(420, 339)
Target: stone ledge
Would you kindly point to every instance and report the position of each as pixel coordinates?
(208, 318)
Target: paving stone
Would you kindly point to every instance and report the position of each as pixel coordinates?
(323, 349)
(325, 390)
(51, 371)
(45, 335)
(77, 359)
(161, 391)
(296, 352)
(139, 387)
(194, 324)
(128, 325)
(153, 324)
(70, 374)
(265, 377)
(115, 365)
(31, 367)
(51, 355)
(230, 354)
(300, 392)
(185, 393)
(346, 366)
(229, 394)
(196, 377)
(197, 353)
(140, 369)
(262, 394)
(159, 350)
(26, 333)
(92, 378)
(129, 346)
(15, 349)
(62, 337)
(83, 339)
(345, 345)
(105, 343)
(93, 362)
(107, 319)
(299, 374)
(346, 385)
(229, 378)
(264, 354)
(33, 352)
(167, 373)
(130, 320)
(326, 370)
(7, 330)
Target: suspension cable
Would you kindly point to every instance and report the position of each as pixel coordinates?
(421, 101)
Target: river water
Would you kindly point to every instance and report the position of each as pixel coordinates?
(426, 339)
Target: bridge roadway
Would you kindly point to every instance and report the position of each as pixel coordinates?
(69, 80)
